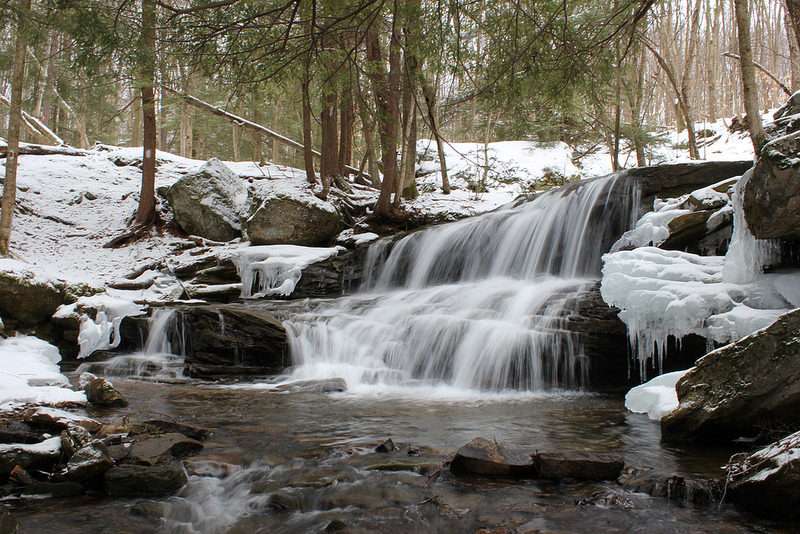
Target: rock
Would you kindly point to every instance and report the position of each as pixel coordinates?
(210, 202)
(145, 481)
(156, 449)
(678, 489)
(386, 446)
(37, 455)
(578, 466)
(686, 230)
(771, 196)
(293, 220)
(14, 431)
(674, 180)
(741, 389)
(210, 468)
(767, 481)
(330, 385)
(490, 458)
(9, 524)
(252, 341)
(74, 438)
(55, 420)
(19, 476)
(194, 432)
(101, 392)
(27, 297)
(54, 489)
(88, 462)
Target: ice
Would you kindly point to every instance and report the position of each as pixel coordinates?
(29, 373)
(653, 227)
(267, 270)
(657, 397)
(102, 332)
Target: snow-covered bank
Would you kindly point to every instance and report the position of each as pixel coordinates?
(29, 374)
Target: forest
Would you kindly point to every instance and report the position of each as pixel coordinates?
(490, 266)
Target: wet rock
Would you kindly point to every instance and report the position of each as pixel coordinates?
(210, 202)
(191, 431)
(335, 526)
(675, 488)
(490, 458)
(606, 499)
(386, 446)
(285, 501)
(19, 476)
(156, 449)
(208, 468)
(421, 466)
(55, 420)
(741, 389)
(278, 219)
(88, 462)
(234, 339)
(145, 481)
(674, 180)
(120, 452)
(101, 392)
(686, 230)
(767, 481)
(37, 455)
(54, 489)
(15, 431)
(331, 385)
(74, 438)
(9, 524)
(577, 466)
(771, 196)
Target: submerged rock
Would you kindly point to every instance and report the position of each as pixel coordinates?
(145, 481)
(578, 466)
(741, 389)
(155, 449)
(330, 385)
(675, 488)
(490, 458)
(768, 481)
(210, 202)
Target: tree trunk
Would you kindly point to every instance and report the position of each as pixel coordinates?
(793, 11)
(429, 95)
(410, 179)
(48, 104)
(235, 135)
(258, 140)
(368, 132)
(346, 129)
(794, 55)
(308, 156)
(385, 89)
(749, 88)
(147, 199)
(14, 121)
(329, 162)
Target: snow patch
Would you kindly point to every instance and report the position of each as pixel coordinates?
(657, 397)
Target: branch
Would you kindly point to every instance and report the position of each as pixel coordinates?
(763, 69)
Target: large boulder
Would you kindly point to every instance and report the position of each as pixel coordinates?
(26, 295)
(233, 340)
(767, 481)
(130, 480)
(293, 219)
(741, 389)
(771, 195)
(490, 458)
(210, 202)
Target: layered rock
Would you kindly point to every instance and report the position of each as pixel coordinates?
(26, 296)
(233, 339)
(210, 202)
(741, 389)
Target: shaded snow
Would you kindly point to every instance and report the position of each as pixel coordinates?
(657, 397)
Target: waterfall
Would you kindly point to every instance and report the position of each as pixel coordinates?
(479, 304)
(161, 358)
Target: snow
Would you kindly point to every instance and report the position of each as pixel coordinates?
(29, 373)
(350, 238)
(50, 446)
(275, 269)
(657, 397)
(653, 227)
(777, 455)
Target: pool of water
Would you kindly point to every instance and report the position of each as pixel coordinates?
(305, 463)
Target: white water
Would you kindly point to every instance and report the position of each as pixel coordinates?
(478, 305)
(161, 358)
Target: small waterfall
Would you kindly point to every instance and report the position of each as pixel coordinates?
(162, 357)
(479, 304)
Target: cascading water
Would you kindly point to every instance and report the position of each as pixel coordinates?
(161, 358)
(478, 304)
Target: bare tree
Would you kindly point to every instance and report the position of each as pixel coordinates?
(145, 214)
(749, 89)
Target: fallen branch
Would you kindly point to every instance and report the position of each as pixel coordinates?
(44, 150)
(35, 125)
(763, 69)
(244, 123)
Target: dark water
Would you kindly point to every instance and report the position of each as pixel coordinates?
(307, 465)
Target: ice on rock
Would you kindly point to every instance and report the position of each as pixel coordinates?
(275, 269)
(102, 332)
(657, 397)
(653, 227)
(663, 293)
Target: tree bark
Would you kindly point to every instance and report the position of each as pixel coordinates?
(14, 121)
(346, 116)
(145, 214)
(329, 162)
(258, 140)
(308, 156)
(749, 88)
(793, 11)
(429, 95)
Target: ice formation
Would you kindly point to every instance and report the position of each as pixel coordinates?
(665, 293)
(102, 332)
(657, 397)
(275, 269)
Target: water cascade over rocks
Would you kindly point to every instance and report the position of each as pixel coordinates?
(472, 305)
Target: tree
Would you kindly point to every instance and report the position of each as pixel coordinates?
(749, 88)
(145, 214)
(14, 122)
